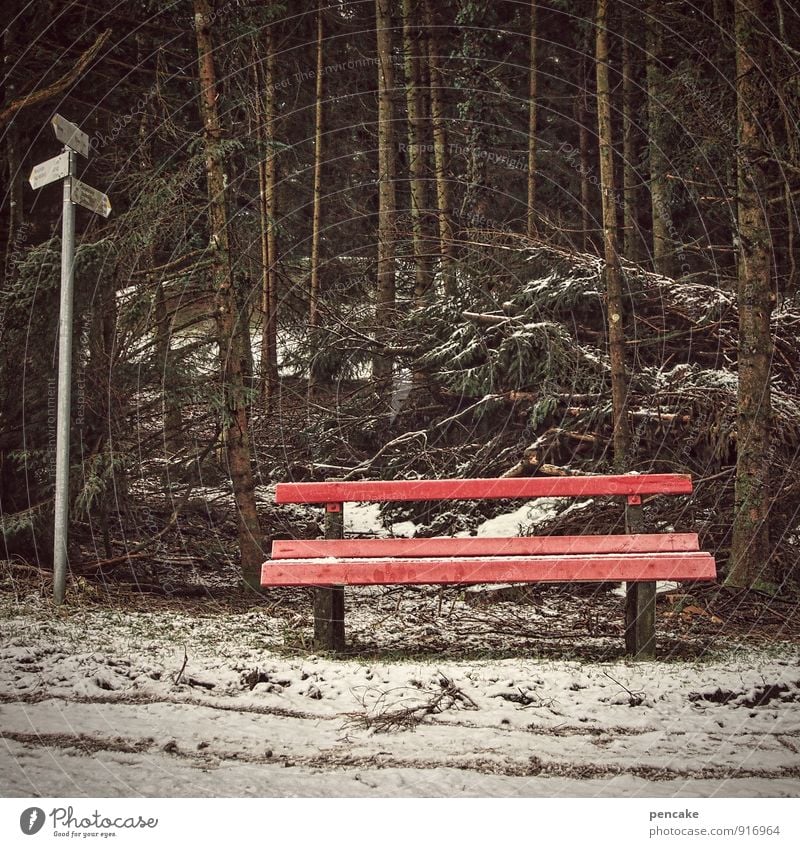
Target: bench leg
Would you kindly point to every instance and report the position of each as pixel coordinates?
(640, 619)
(640, 598)
(329, 602)
(329, 618)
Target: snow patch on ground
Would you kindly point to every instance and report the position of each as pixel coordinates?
(363, 519)
(104, 703)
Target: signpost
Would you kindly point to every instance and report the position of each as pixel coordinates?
(71, 135)
(50, 171)
(90, 198)
(74, 191)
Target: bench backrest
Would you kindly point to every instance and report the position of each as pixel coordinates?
(482, 489)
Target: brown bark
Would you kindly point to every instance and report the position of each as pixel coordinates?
(750, 548)
(385, 294)
(630, 148)
(316, 217)
(264, 224)
(659, 191)
(532, 114)
(269, 233)
(163, 325)
(16, 217)
(582, 116)
(440, 155)
(791, 223)
(235, 424)
(317, 212)
(13, 156)
(173, 425)
(416, 156)
(613, 272)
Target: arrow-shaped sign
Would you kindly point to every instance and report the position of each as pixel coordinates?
(71, 135)
(90, 198)
(49, 171)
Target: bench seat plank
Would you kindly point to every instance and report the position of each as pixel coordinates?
(363, 548)
(608, 568)
(481, 489)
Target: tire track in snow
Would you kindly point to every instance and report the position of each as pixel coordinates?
(83, 745)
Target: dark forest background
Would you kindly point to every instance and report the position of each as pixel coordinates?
(389, 240)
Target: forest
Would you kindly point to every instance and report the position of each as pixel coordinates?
(357, 239)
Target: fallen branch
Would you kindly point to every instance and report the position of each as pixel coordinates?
(409, 717)
(489, 320)
(532, 455)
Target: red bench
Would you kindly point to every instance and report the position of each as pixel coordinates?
(638, 559)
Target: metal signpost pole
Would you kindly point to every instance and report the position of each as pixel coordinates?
(74, 191)
(64, 387)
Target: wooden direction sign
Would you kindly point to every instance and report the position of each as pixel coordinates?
(71, 135)
(49, 171)
(90, 198)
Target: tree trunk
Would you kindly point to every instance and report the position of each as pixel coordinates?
(750, 548)
(268, 179)
(630, 147)
(582, 116)
(613, 273)
(791, 224)
(264, 225)
(472, 17)
(440, 156)
(173, 428)
(14, 197)
(385, 294)
(532, 107)
(235, 423)
(659, 191)
(173, 425)
(416, 157)
(316, 219)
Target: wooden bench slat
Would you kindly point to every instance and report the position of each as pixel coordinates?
(609, 568)
(361, 548)
(481, 489)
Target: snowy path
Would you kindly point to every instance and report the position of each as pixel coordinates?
(89, 706)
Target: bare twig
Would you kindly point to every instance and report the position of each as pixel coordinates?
(409, 717)
(636, 699)
(177, 679)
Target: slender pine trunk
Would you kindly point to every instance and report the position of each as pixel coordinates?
(268, 179)
(613, 272)
(750, 547)
(385, 294)
(630, 147)
(416, 156)
(585, 164)
(532, 116)
(316, 217)
(439, 132)
(659, 191)
(237, 437)
(14, 197)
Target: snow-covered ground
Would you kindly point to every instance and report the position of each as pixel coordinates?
(97, 702)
